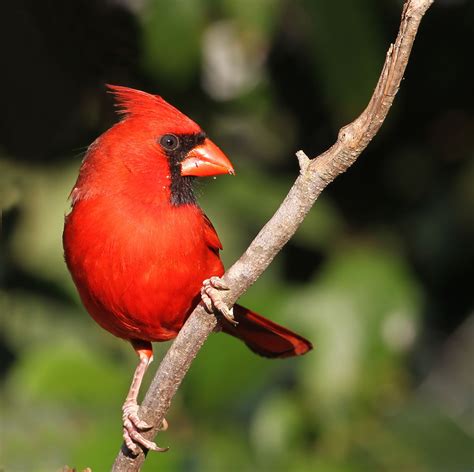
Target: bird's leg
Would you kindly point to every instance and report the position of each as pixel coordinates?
(131, 422)
(211, 297)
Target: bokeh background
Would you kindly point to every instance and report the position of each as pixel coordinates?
(379, 277)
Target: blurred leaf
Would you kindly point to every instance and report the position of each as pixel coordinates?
(28, 319)
(69, 374)
(223, 449)
(171, 39)
(277, 428)
(347, 64)
(419, 438)
(363, 314)
(36, 244)
(9, 187)
(62, 394)
(259, 17)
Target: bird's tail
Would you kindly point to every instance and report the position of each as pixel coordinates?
(265, 337)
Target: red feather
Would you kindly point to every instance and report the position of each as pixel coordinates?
(265, 337)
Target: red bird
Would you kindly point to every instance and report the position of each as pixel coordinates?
(140, 250)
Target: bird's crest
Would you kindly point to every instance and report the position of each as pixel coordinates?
(135, 103)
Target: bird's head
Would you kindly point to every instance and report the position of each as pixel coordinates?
(154, 147)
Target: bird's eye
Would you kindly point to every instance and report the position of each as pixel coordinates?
(170, 142)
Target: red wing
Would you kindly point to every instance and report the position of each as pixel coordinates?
(211, 235)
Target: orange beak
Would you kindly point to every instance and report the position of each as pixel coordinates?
(206, 160)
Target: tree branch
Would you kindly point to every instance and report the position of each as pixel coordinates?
(315, 175)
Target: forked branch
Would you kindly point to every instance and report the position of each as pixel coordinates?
(315, 175)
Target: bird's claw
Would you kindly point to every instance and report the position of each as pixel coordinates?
(216, 282)
(130, 415)
(132, 425)
(211, 298)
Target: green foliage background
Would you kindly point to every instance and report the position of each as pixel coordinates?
(379, 276)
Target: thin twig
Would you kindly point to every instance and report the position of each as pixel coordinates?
(315, 175)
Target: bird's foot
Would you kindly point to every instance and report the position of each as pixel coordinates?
(211, 298)
(132, 425)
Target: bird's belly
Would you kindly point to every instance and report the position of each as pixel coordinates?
(139, 282)
(145, 302)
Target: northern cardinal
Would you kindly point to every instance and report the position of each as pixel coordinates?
(140, 250)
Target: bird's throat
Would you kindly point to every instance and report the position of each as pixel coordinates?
(181, 189)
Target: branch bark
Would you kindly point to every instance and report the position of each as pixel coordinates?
(315, 175)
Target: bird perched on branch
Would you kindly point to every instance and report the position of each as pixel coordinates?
(140, 250)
